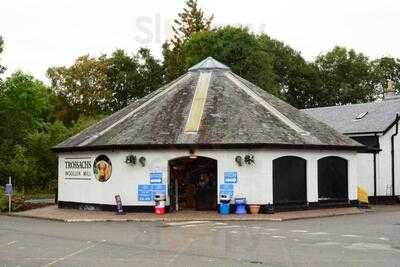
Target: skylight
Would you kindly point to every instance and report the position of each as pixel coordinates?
(361, 115)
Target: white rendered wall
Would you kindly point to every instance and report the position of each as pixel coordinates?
(254, 181)
(365, 169)
(384, 160)
(384, 183)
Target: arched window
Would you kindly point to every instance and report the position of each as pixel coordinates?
(289, 180)
(332, 179)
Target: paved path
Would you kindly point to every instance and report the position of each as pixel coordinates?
(72, 215)
(370, 239)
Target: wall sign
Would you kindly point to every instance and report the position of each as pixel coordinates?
(146, 192)
(118, 201)
(8, 189)
(102, 168)
(156, 178)
(78, 168)
(226, 189)
(230, 177)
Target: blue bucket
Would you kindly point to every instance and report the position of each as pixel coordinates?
(224, 208)
(240, 205)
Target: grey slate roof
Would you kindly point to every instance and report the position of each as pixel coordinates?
(231, 116)
(380, 116)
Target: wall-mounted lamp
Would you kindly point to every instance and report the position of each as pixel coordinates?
(249, 159)
(142, 161)
(130, 159)
(239, 160)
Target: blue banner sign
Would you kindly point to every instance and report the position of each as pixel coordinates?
(146, 192)
(8, 189)
(156, 178)
(230, 177)
(226, 189)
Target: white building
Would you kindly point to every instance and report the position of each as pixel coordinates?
(208, 133)
(376, 126)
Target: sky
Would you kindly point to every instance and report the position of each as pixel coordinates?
(39, 34)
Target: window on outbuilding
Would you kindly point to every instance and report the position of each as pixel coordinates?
(332, 179)
(289, 180)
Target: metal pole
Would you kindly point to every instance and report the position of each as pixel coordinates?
(9, 197)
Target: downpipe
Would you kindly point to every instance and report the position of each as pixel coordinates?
(393, 154)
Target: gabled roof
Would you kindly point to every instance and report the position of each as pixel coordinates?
(209, 107)
(377, 117)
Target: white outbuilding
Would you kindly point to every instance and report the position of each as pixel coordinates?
(376, 125)
(210, 132)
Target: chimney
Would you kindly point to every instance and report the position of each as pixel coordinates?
(390, 91)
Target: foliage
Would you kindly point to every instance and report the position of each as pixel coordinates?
(25, 104)
(2, 68)
(83, 85)
(191, 20)
(346, 77)
(237, 48)
(385, 69)
(93, 86)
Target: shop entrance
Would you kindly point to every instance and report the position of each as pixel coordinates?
(193, 183)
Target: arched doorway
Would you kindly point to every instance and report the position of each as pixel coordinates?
(332, 179)
(289, 180)
(193, 183)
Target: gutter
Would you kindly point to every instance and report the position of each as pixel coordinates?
(396, 122)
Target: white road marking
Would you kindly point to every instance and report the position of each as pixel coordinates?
(234, 232)
(372, 246)
(186, 223)
(272, 229)
(219, 223)
(74, 253)
(383, 238)
(298, 231)
(279, 236)
(351, 235)
(328, 243)
(8, 244)
(228, 226)
(190, 225)
(318, 233)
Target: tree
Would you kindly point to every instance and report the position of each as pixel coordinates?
(2, 68)
(385, 69)
(237, 48)
(25, 106)
(191, 20)
(131, 78)
(346, 77)
(83, 85)
(298, 80)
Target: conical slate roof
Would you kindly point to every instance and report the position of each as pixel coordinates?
(209, 106)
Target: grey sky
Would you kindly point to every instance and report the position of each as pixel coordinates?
(43, 33)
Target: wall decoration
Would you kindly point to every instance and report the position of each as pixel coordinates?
(230, 177)
(102, 168)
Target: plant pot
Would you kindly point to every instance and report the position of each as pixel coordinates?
(254, 209)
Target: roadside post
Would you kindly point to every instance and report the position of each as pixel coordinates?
(8, 191)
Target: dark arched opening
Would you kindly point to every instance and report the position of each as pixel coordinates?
(332, 179)
(193, 183)
(289, 180)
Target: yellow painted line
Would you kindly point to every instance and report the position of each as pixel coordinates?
(199, 100)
